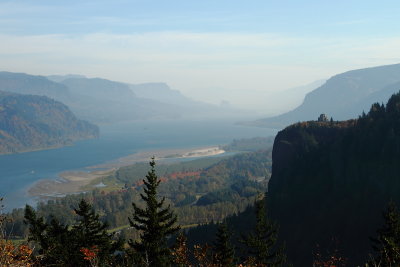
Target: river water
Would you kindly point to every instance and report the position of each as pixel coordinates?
(19, 171)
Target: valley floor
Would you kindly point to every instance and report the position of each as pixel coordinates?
(71, 182)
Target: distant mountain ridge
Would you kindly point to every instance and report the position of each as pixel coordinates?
(29, 122)
(343, 96)
(22, 83)
(97, 100)
(98, 88)
(60, 78)
(160, 92)
(104, 101)
(283, 101)
(146, 100)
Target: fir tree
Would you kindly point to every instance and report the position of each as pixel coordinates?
(90, 232)
(261, 244)
(155, 222)
(55, 242)
(387, 244)
(224, 251)
(62, 245)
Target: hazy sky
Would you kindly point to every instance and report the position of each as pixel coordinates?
(208, 49)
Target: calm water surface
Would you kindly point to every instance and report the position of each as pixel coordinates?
(19, 171)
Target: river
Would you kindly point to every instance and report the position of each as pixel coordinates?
(19, 171)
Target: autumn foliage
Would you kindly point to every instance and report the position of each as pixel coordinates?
(90, 254)
(12, 255)
(332, 259)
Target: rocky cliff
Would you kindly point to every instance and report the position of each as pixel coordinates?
(331, 181)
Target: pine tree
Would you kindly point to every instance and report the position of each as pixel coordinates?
(261, 244)
(90, 232)
(62, 245)
(224, 252)
(54, 239)
(61, 250)
(387, 244)
(155, 222)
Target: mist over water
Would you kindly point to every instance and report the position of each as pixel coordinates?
(19, 171)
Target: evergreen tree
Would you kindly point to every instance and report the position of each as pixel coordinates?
(224, 251)
(54, 239)
(387, 244)
(62, 245)
(155, 222)
(90, 232)
(261, 244)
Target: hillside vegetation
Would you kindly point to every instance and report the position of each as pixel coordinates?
(200, 191)
(30, 122)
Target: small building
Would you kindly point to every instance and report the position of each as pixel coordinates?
(322, 118)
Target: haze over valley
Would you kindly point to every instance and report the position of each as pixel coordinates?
(199, 133)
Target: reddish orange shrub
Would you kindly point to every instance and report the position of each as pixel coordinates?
(90, 254)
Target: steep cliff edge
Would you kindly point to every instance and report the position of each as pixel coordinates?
(30, 122)
(331, 181)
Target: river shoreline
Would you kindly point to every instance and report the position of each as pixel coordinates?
(72, 182)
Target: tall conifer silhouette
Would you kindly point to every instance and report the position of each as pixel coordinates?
(155, 222)
(262, 242)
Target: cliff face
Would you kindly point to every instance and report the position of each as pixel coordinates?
(331, 181)
(30, 122)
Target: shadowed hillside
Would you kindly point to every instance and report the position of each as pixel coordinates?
(331, 181)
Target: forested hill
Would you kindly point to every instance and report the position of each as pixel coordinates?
(331, 181)
(30, 122)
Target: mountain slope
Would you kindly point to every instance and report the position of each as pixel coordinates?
(30, 122)
(283, 101)
(343, 96)
(104, 101)
(60, 78)
(187, 107)
(99, 89)
(160, 92)
(107, 101)
(96, 100)
(22, 83)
